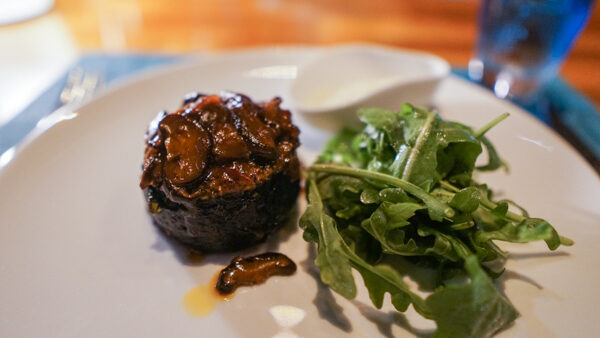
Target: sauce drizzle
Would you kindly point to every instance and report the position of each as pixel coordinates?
(202, 299)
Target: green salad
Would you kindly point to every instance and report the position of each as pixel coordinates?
(403, 189)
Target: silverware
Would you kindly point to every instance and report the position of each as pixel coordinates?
(80, 86)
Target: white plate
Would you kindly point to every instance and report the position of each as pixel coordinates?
(80, 257)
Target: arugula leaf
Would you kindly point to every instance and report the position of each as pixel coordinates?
(403, 187)
(335, 269)
(340, 149)
(446, 245)
(389, 217)
(475, 309)
(378, 287)
(457, 159)
(382, 119)
(466, 200)
(334, 257)
(478, 298)
(363, 244)
(494, 160)
(421, 162)
(532, 229)
(435, 208)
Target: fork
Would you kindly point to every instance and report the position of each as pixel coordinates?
(80, 86)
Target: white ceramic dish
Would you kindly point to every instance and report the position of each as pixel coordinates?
(80, 257)
(385, 77)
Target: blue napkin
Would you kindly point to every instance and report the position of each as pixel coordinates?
(109, 67)
(572, 110)
(576, 113)
(563, 108)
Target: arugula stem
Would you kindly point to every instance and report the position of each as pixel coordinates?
(509, 214)
(486, 203)
(516, 218)
(387, 179)
(444, 192)
(490, 125)
(423, 134)
(449, 186)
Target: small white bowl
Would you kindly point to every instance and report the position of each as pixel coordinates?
(349, 77)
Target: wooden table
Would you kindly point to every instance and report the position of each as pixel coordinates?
(443, 27)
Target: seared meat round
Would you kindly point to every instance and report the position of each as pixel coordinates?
(221, 173)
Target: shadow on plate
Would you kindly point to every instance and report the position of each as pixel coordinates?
(552, 254)
(332, 312)
(324, 300)
(513, 275)
(510, 274)
(189, 257)
(385, 320)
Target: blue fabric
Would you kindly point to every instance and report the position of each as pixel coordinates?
(539, 108)
(109, 67)
(573, 110)
(576, 113)
(569, 107)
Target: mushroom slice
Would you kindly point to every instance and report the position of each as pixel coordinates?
(187, 145)
(228, 144)
(259, 135)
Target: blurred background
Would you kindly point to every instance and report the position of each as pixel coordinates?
(39, 50)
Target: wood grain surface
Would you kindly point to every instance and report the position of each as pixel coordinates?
(443, 27)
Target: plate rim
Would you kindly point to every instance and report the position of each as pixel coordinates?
(199, 59)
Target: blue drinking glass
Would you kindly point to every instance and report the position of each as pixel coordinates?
(522, 43)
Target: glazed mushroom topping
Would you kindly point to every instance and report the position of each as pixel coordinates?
(253, 270)
(218, 144)
(260, 136)
(187, 146)
(228, 144)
